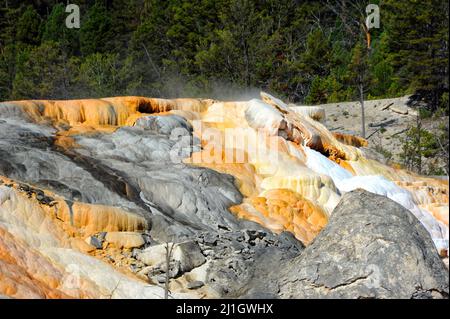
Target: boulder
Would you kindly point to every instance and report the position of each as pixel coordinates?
(187, 254)
(95, 242)
(161, 268)
(160, 279)
(371, 248)
(153, 255)
(195, 285)
(145, 271)
(127, 240)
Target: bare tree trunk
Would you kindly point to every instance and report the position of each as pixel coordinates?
(419, 147)
(368, 35)
(169, 249)
(363, 115)
(247, 65)
(151, 61)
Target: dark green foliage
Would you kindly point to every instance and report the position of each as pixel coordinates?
(96, 34)
(107, 75)
(417, 36)
(55, 30)
(303, 51)
(28, 27)
(42, 73)
(418, 144)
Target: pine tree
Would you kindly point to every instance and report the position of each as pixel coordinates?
(42, 74)
(418, 41)
(96, 34)
(359, 77)
(55, 30)
(28, 28)
(298, 50)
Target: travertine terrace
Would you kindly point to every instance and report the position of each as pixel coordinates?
(85, 185)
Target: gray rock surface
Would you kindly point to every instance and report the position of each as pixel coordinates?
(164, 125)
(372, 248)
(28, 154)
(182, 199)
(380, 112)
(95, 242)
(241, 262)
(140, 169)
(152, 255)
(136, 168)
(195, 285)
(189, 255)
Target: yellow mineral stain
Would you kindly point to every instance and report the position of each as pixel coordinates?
(270, 170)
(284, 210)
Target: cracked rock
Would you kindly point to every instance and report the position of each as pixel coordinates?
(371, 248)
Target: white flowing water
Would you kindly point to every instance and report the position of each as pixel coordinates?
(346, 182)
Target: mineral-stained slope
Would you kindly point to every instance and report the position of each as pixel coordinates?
(91, 190)
(43, 257)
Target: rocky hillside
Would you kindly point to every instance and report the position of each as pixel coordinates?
(387, 124)
(134, 197)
